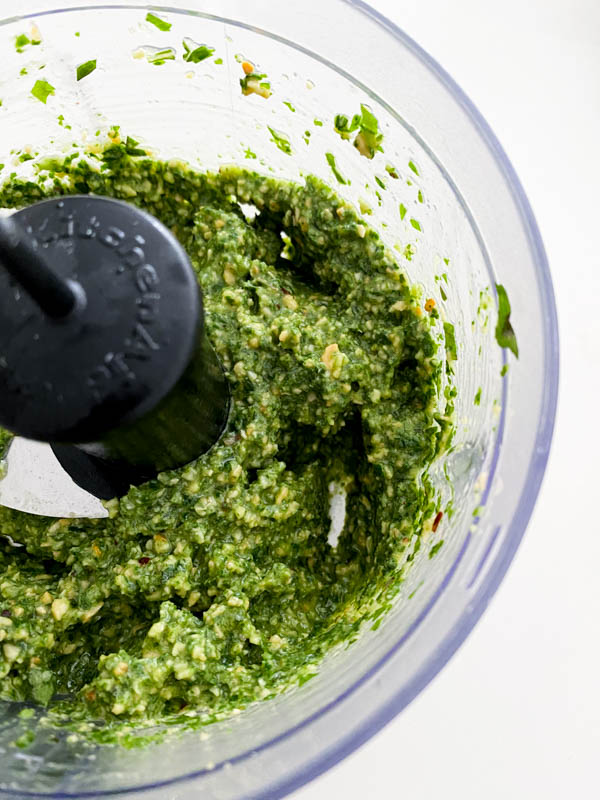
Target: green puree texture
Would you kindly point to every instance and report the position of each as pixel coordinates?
(214, 585)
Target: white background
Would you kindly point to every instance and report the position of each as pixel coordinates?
(516, 713)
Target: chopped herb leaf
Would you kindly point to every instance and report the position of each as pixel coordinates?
(25, 157)
(249, 153)
(416, 224)
(218, 60)
(477, 399)
(343, 126)
(318, 122)
(22, 40)
(159, 23)
(255, 83)
(446, 261)
(195, 53)
(368, 139)
(504, 370)
(402, 210)
(304, 678)
(282, 142)
(435, 548)
(450, 341)
(83, 70)
(379, 182)
(331, 161)
(23, 71)
(25, 739)
(443, 294)
(413, 166)
(157, 56)
(420, 196)
(409, 252)
(117, 152)
(42, 90)
(132, 149)
(392, 171)
(505, 335)
(289, 105)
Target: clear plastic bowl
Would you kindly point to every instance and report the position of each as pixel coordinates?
(324, 57)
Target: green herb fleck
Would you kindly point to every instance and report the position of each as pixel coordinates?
(83, 70)
(289, 105)
(504, 370)
(477, 400)
(249, 153)
(416, 224)
(331, 161)
(379, 182)
(368, 139)
(282, 142)
(115, 153)
(414, 591)
(392, 171)
(443, 294)
(420, 196)
(413, 166)
(77, 33)
(409, 252)
(42, 90)
(477, 511)
(23, 71)
(158, 57)
(255, 83)
(505, 335)
(289, 250)
(25, 157)
(195, 53)
(318, 122)
(306, 677)
(437, 546)
(450, 341)
(22, 40)
(159, 23)
(25, 739)
(343, 126)
(402, 210)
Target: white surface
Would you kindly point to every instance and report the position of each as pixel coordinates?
(516, 713)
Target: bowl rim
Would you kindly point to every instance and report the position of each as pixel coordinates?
(515, 529)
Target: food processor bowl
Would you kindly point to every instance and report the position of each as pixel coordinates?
(444, 195)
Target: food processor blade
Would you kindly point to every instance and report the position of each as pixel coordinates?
(34, 481)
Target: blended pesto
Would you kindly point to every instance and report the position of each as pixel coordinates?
(215, 585)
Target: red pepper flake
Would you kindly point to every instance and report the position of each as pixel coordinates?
(437, 520)
(143, 560)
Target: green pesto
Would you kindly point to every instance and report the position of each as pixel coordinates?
(214, 585)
